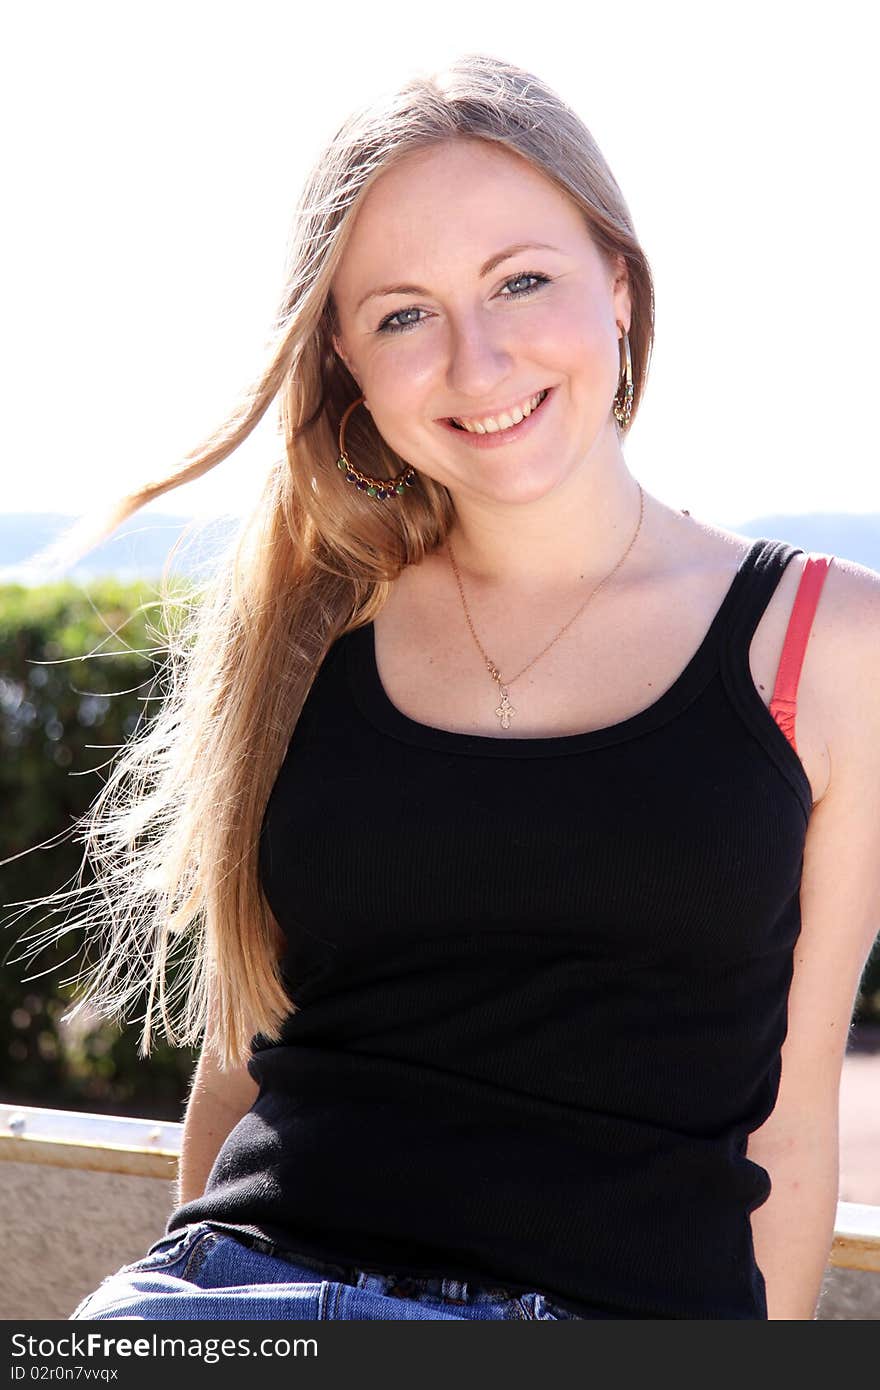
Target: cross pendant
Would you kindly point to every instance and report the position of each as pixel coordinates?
(505, 709)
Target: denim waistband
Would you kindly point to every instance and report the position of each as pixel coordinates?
(365, 1276)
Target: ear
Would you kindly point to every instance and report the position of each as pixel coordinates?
(340, 352)
(338, 349)
(621, 293)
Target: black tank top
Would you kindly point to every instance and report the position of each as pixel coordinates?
(543, 986)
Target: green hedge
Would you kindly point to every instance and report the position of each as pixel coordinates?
(62, 716)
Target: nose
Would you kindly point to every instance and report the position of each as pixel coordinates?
(479, 361)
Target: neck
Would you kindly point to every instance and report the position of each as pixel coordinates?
(572, 537)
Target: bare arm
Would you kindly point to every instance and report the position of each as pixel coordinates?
(840, 916)
(217, 1101)
(794, 1229)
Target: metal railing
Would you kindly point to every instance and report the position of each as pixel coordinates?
(150, 1149)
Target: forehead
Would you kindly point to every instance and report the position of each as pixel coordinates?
(448, 208)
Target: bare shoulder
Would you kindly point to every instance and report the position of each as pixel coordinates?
(845, 630)
(846, 665)
(851, 598)
(857, 589)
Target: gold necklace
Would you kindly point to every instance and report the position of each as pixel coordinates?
(505, 710)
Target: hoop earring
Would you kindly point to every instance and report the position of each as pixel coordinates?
(379, 488)
(623, 402)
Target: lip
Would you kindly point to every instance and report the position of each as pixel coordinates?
(499, 438)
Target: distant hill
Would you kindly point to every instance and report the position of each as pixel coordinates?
(140, 547)
(137, 550)
(833, 533)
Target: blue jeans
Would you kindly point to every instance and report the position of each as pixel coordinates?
(199, 1272)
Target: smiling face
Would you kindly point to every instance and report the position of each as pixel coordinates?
(481, 322)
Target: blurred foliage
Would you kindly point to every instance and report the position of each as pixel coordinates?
(63, 715)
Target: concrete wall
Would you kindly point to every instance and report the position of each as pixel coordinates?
(64, 1230)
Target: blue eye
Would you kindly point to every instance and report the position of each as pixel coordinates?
(388, 324)
(518, 279)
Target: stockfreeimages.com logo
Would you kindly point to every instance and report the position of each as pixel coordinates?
(97, 1344)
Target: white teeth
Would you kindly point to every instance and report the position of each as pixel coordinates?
(506, 419)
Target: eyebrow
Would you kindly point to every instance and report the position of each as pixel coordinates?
(485, 270)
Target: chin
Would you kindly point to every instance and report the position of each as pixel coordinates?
(519, 487)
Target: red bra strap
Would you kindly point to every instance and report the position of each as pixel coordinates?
(783, 706)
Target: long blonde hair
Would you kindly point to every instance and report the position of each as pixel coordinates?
(175, 909)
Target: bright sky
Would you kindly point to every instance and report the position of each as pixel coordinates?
(154, 152)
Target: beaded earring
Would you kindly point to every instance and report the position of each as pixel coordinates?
(623, 403)
(380, 488)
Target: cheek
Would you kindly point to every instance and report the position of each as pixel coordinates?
(578, 352)
(398, 385)
(399, 378)
(571, 337)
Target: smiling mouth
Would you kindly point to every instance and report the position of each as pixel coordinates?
(496, 426)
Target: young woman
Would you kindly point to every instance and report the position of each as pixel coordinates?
(523, 830)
